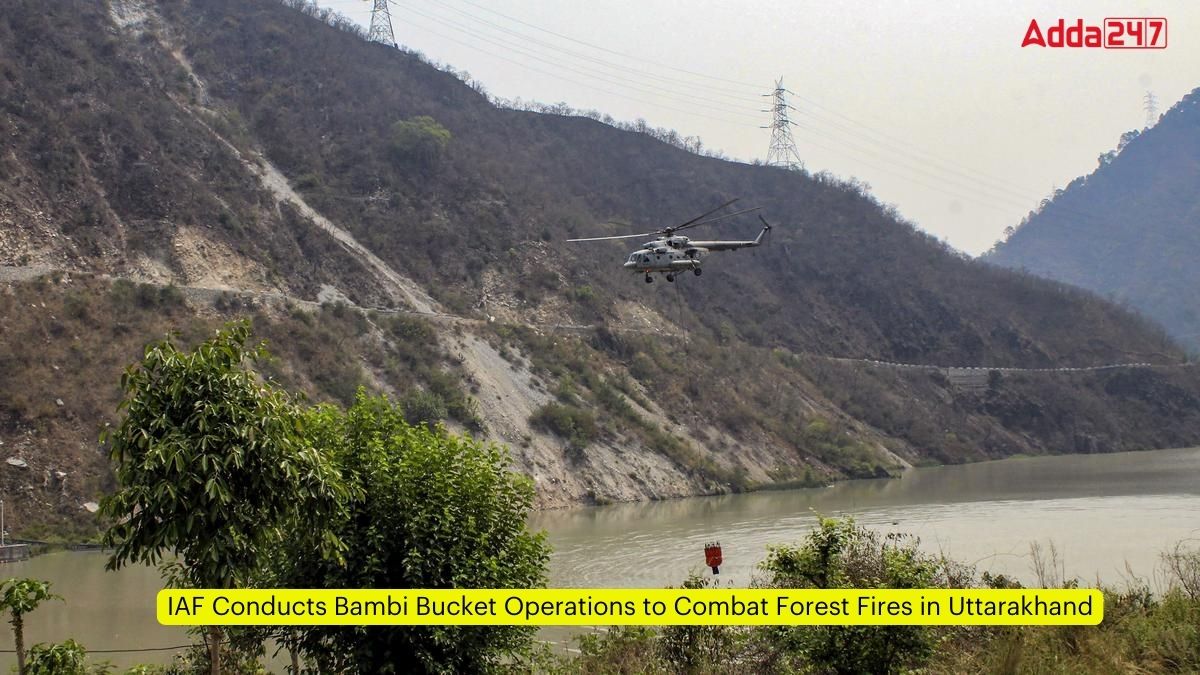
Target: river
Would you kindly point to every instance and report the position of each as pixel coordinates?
(1105, 515)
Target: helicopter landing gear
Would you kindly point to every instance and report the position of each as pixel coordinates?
(670, 277)
(649, 279)
(697, 271)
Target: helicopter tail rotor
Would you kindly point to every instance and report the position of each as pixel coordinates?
(766, 231)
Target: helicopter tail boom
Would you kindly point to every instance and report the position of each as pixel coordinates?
(732, 245)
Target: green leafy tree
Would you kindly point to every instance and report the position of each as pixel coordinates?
(842, 554)
(19, 597)
(212, 464)
(431, 510)
(66, 658)
(420, 140)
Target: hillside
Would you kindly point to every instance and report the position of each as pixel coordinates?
(175, 164)
(1130, 230)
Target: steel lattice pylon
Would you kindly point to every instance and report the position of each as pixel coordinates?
(381, 24)
(1151, 106)
(783, 147)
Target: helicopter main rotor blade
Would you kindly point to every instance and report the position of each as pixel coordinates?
(722, 217)
(619, 236)
(702, 215)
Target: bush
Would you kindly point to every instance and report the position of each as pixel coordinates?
(842, 554)
(423, 407)
(576, 425)
(420, 140)
(620, 650)
(701, 649)
(66, 658)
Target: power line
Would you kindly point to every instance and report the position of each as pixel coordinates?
(609, 51)
(586, 71)
(967, 194)
(735, 103)
(905, 176)
(573, 81)
(979, 188)
(119, 651)
(914, 148)
(918, 165)
(638, 72)
(638, 69)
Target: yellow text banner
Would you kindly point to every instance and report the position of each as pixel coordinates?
(612, 607)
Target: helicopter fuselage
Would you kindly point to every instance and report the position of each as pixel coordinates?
(665, 256)
(676, 253)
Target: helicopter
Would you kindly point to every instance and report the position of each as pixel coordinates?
(670, 253)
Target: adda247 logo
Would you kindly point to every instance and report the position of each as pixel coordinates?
(1112, 33)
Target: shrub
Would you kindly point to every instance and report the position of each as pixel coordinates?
(696, 649)
(420, 140)
(842, 554)
(66, 658)
(576, 425)
(424, 407)
(622, 649)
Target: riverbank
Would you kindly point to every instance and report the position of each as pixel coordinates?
(1101, 512)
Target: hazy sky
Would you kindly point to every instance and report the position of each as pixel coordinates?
(932, 102)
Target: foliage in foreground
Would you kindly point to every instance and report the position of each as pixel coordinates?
(66, 658)
(246, 488)
(1141, 632)
(211, 463)
(213, 467)
(18, 597)
(431, 510)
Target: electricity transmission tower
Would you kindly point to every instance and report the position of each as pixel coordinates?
(783, 147)
(381, 24)
(1151, 109)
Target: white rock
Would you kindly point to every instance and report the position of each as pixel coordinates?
(91, 507)
(17, 462)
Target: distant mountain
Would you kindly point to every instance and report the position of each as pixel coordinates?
(172, 164)
(1131, 229)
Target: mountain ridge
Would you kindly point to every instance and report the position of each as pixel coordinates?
(1131, 228)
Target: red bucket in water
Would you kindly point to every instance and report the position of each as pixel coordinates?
(713, 557)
